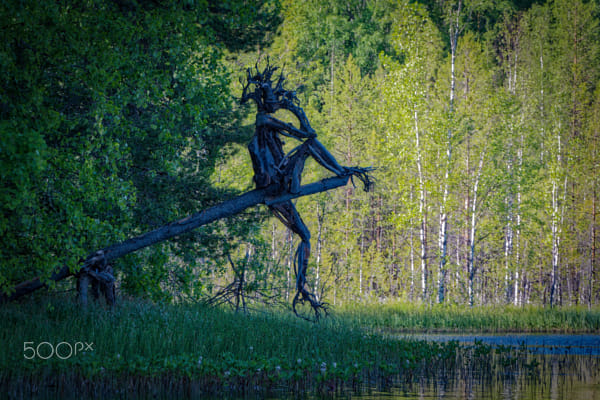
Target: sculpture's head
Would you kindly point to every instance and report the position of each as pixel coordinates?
(268, 98)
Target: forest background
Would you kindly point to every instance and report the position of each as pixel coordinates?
(481, 117)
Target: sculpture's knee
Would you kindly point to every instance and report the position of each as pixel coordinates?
(303, 255)
(294, 185)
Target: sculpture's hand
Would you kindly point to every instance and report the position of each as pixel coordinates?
(300, 133)
(287, 129)
(360, 173)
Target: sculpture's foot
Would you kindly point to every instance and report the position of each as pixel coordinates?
(362, 174)
(316, 307)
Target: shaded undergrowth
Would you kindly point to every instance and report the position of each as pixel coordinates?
(140, 348)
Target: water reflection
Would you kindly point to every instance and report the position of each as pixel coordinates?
(492, 367)
(584, 344)
(556, 377)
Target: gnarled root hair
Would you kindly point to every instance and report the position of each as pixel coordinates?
(318, 308)
(303, 295)
(363, 175)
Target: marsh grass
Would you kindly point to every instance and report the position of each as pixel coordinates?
(403, 317)
(142, 348)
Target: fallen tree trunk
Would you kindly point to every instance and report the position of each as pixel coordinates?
(176, 228)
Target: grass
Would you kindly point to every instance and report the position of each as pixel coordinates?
(403, 317)
(190, 349)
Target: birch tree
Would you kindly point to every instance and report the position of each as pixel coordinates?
(576, 60)
(407, 102)
(455, 27)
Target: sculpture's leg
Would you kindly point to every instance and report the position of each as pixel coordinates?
(257, 155)
(324, 157)
(292, 166)
(312, 147)
(287, 213)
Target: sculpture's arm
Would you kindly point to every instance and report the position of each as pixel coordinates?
(325, 158)
(299, 113)
(284, 128)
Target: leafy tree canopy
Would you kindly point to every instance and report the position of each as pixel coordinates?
(112, 114)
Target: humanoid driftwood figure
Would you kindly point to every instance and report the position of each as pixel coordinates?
(283, 172)
(277, 175)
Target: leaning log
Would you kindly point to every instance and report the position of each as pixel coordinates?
(176, 228)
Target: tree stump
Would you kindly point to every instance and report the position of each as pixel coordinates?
(98, 275)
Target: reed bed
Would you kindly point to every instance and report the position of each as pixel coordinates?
(406, 317)
(141, 348)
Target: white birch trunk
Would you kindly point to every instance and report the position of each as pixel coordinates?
(593, 260)
(472, 232)
(555, 242)
(320, 219)
(290, 265)
(412, 252)
(508, 243)
(360, 266)
(271, 266)
(517, 296)
(555, 225)
(422, 210)
(443, 231)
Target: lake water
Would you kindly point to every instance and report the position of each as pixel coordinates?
(568, 369)
(584, 344)
(523, 367)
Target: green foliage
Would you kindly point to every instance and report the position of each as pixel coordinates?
(317, 37)
(119, 116)
(520, 123)
(113, 114)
